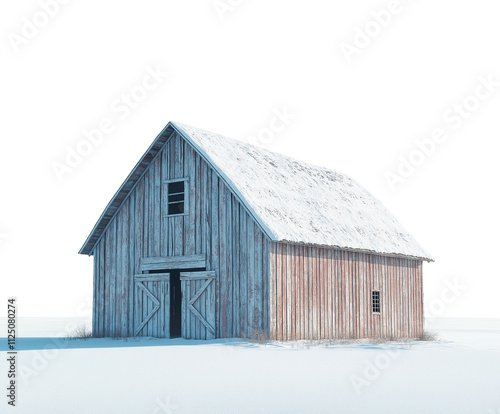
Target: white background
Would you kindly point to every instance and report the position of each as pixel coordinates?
(228, 72)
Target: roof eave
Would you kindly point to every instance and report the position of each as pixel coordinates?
(426, 258)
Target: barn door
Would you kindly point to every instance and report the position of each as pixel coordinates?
(198, 305)
(152, 305)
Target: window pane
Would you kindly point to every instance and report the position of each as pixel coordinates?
(176, 187)
(176, 208)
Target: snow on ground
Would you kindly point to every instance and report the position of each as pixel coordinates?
(459, 374)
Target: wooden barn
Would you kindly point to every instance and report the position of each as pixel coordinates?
(210, 237)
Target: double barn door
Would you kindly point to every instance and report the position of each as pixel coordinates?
(152, 304)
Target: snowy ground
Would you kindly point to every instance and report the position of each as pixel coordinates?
(459, 374)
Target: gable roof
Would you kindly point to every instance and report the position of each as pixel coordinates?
(292, 201)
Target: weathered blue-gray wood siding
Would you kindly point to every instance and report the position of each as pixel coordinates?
(217, 225)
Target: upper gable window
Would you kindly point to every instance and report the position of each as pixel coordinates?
(177, 197)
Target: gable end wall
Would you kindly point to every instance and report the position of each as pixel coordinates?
(217, 225)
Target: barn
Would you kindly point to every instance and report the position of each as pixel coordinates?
(210, 237)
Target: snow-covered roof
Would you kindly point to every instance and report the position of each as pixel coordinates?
(302, 203)
(294, 201)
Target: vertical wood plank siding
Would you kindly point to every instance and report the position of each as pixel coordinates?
(287, 291)
(216, 225)
(320, 293)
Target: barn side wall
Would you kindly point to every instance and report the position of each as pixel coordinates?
(320, 293)
(217, 225)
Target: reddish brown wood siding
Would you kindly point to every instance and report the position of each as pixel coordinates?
(319, 293)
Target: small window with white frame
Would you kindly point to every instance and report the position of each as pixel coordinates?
(375, 301)
(177, 197)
